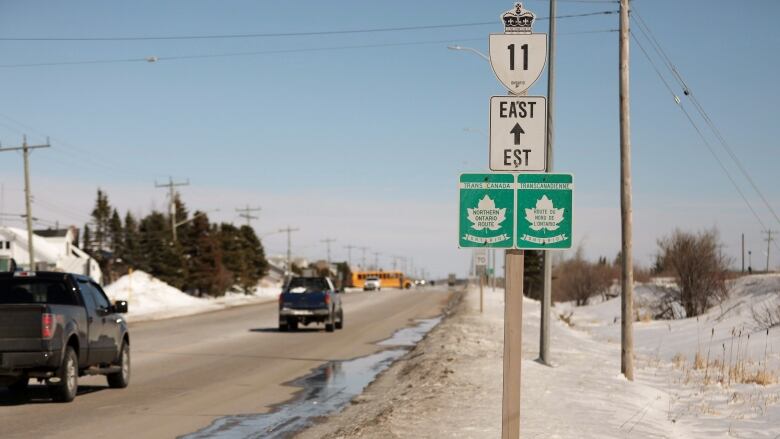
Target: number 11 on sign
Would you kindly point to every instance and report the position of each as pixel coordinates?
(524, 48)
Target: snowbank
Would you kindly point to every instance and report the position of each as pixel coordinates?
(450, 385)
(152, 299)
(668, 338)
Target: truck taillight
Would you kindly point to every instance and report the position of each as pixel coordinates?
(280, 298)
(327, 298)
(47, 325)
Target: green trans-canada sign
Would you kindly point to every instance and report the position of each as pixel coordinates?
(544, 211)
(487, 210)
(524, 211)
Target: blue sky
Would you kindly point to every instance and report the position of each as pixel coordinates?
(365, 145)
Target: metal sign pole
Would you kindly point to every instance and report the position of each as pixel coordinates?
(481, 292)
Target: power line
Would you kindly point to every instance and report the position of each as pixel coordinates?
(291, 34)
(645, 29)
(85, 155)
(155, 59)
(703, 138)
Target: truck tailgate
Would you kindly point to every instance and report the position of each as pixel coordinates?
(314, 300)
(20, 327)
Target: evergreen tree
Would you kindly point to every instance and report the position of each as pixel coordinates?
(131, 245)
(101, 215)
(233, 253)
(162, 258)
(533, 274)
(255, 265)
(207, 273)
(115, 234)
(87, 240)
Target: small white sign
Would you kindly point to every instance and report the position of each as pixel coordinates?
(480, 258)
(518, 133)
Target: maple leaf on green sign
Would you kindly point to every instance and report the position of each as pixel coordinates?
(544, 215)
(486, 215)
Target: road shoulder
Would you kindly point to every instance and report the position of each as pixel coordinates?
(403, 401)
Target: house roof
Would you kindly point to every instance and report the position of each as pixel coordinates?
(44, 250)
(52, 233)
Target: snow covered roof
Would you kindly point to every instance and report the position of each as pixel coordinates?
(44, 250)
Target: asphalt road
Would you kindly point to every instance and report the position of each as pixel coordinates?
(188, 371)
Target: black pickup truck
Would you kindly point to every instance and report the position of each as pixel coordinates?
(55, 327)
(310, 300)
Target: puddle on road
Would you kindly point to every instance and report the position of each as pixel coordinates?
(324, 391)
(411, 336)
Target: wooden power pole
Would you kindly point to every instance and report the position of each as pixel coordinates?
(627, 270)
(769, 240)
(246, 213)
(289, 231)
(25, 148)
(172, 194)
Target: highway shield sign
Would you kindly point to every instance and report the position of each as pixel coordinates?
(518, 59)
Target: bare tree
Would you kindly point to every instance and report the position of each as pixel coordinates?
(699, 266)
(578, 280)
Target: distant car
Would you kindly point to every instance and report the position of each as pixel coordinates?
(306, 300)
(372, 283)
(420, 282)
(56, 327)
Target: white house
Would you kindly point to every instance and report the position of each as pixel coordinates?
(54, 251)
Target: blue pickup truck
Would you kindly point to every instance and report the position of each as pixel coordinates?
(307, 300)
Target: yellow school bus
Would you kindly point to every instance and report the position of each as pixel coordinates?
(388, 279)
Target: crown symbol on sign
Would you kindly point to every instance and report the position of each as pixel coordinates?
(518, 20)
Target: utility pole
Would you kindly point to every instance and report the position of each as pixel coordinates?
(172, 194)
(376, 261)
(25, 148)
(363, 266)
(544, 330)
(327, 242)
(246, 213)
(493, 271)
(289, 231)
(349, 255)
(2, 202)
(769, 240)
(627, 269)
(743, 253)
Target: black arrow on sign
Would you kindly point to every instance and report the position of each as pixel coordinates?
(517, 130)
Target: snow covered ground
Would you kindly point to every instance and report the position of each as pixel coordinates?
(450, 385)
(152, 299)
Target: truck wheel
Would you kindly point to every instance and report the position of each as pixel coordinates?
(121, 379)
(329, 327)
(293, 324)
(283, 327)
(68, 373)
(340, 322)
